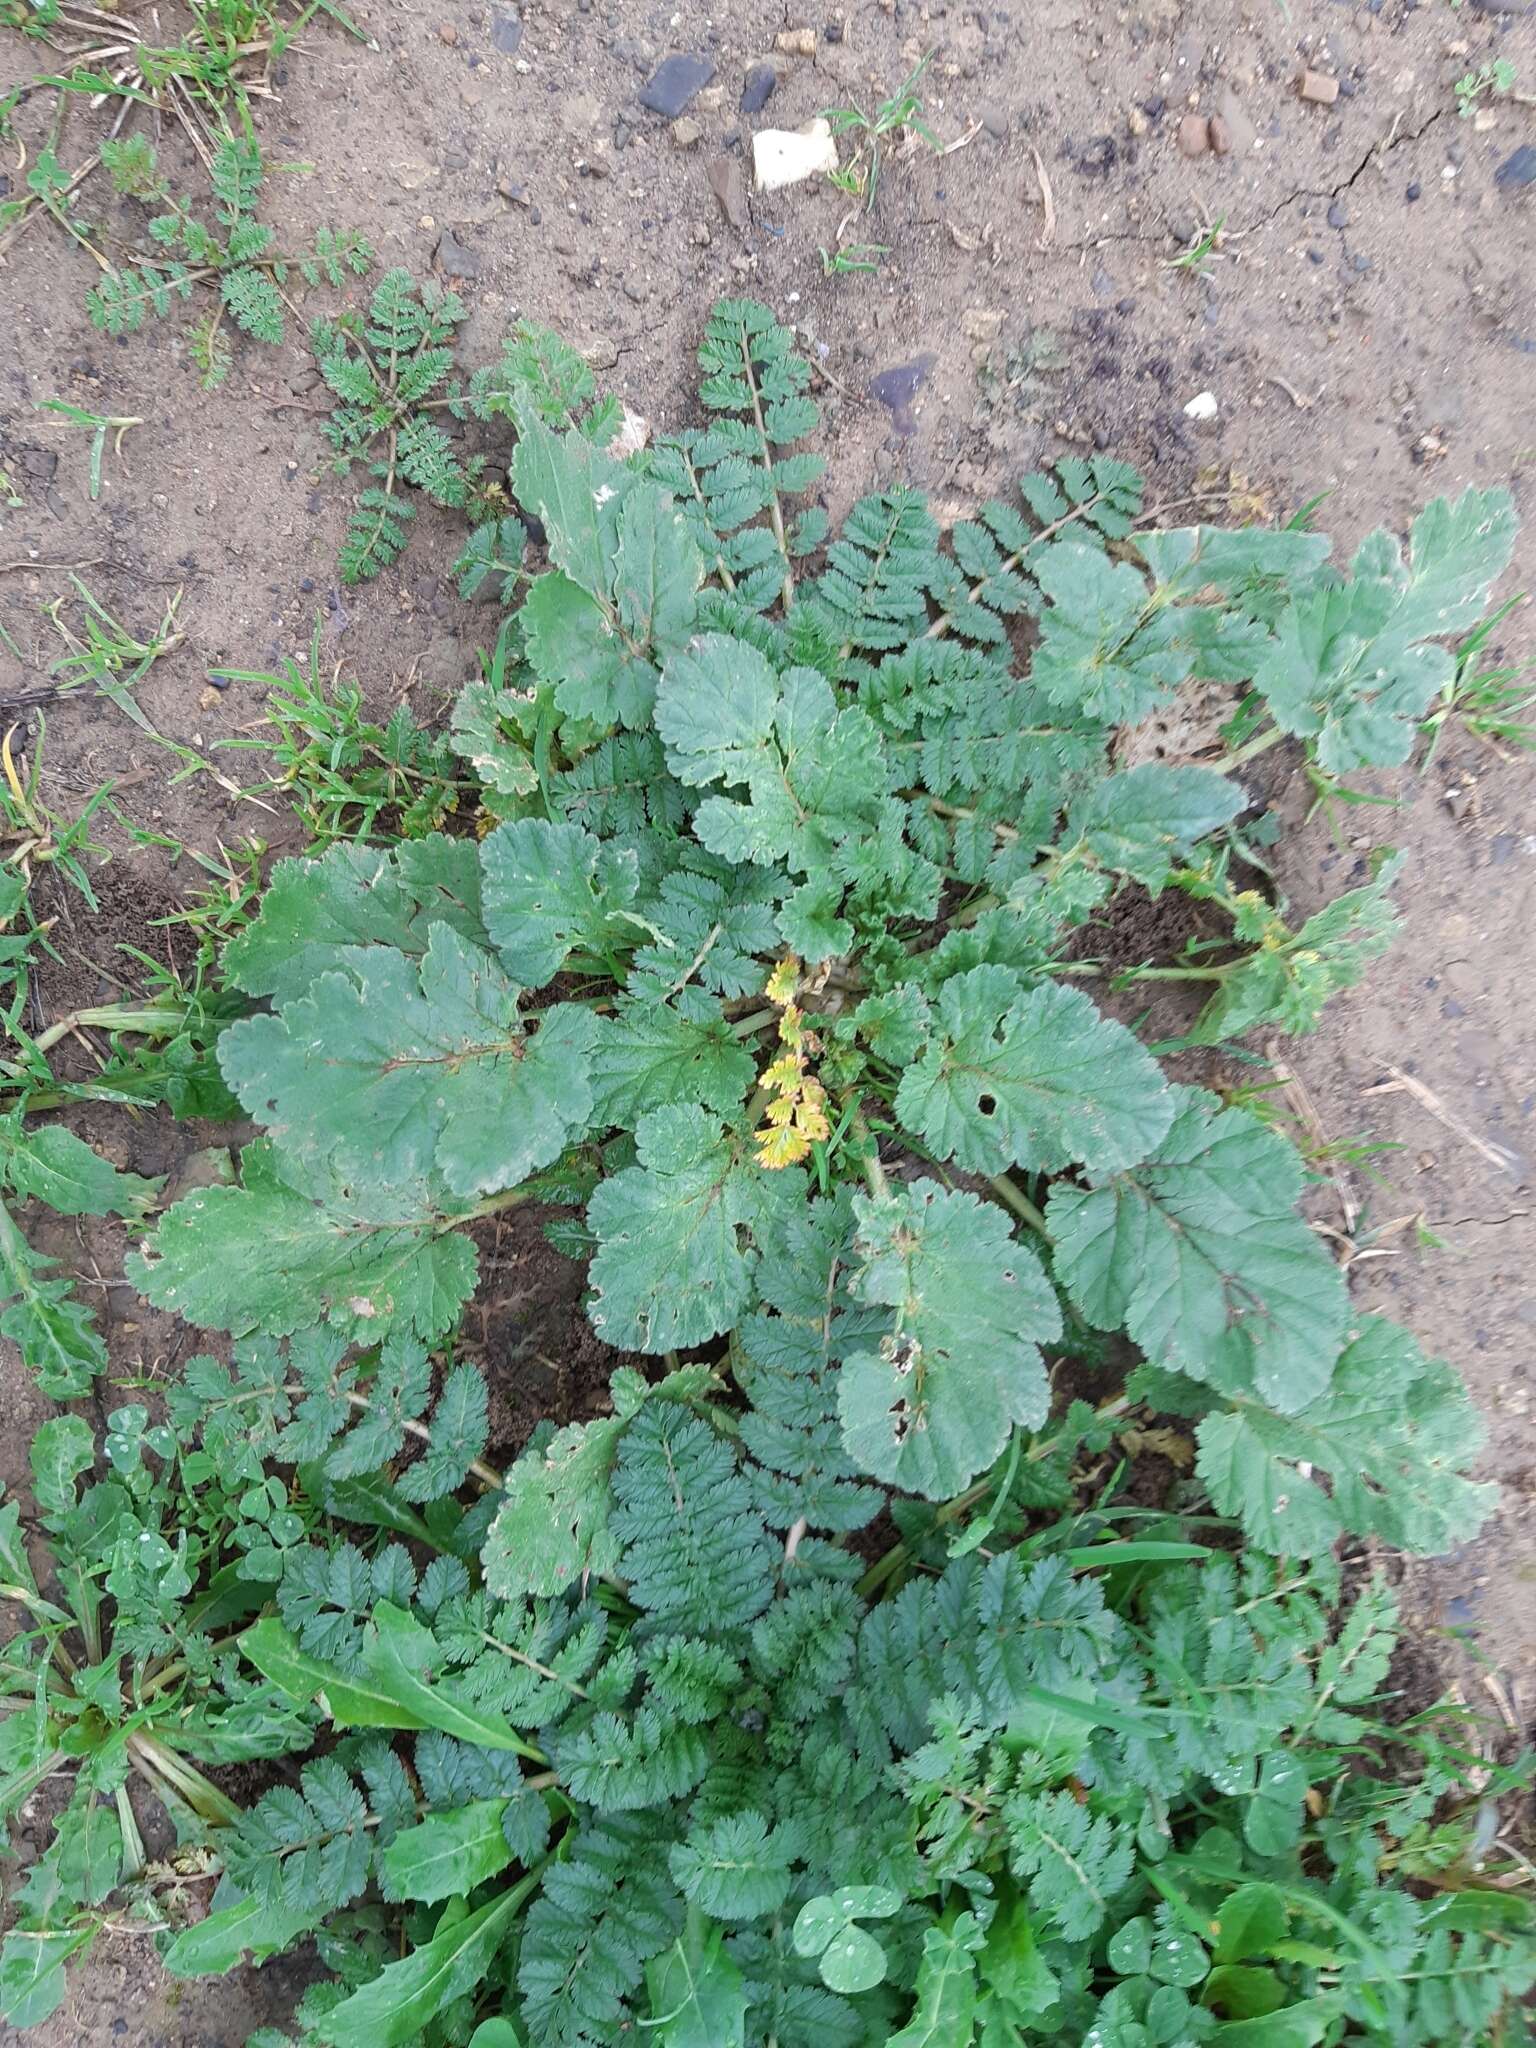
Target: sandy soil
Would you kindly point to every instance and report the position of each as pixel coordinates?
(1367, 327)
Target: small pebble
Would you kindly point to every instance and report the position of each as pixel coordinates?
(1203, 406)
(506, 30)
(672, 85)
(757, 88)
(1221, 135)
(1194, 135)
(686, 133)
(1517, 171)
(1318, 87)
(448, 34)
(1337, 217)
(1415, 191)
(796, 42)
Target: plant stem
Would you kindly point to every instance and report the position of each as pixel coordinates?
(1012, 1198)
(1239, 755)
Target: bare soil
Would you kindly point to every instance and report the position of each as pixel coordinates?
(1367, 326)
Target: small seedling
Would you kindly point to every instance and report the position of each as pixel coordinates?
(1489, 81)
(389, 372)
(237, 256)
(1492, 703)
(340, 770)
(858, 256)
(1201, 249)
(103, 653)
(99, 426)
(874, 133)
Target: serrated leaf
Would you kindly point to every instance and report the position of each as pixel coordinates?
(934, 1404)
(1199, 1255)
(671, 1269)
(551, 890)
(814, 771)
(1354, 665)
(944, 2015)
(1140, 822)
(650, 1054)
(475, 735)
(32, 1981)
(399, 1070)
(1394, 1432)
(446, 1855)
(1105, 650)
(698, 1995)
(48, 1163)
(43, 1317)
(578, 493)
(1075, 1861)
(266, 1257)
(734, 1868)
(354, 896)
(1031, 1077)
(552, 1527)
(1288, 979)
(575, 646)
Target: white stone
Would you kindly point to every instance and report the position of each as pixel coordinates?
(788, 156)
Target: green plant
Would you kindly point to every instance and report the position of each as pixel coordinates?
(857, 257)
(100, 424)
(204, 83)
(1486, 82)
(1491, 703)
(1202, 248)
(104, 653)
(341, 771)
(387, 374)
(830, 1690)
(874, 133)
(124, 1672)
(237, 255)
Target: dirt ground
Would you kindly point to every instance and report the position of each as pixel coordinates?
(1366, 326)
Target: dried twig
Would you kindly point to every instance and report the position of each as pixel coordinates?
(1405, 1084)
(1047, 200)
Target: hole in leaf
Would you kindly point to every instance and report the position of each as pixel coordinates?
(987, 1104)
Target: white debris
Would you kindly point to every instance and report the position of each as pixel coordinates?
(788, 156)
(634, 432)
(1202, 406)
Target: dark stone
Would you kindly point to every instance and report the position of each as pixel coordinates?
(1415, 191)
(1517, 171)
(672, 85)
(897, 389)
(1451, 1009)
(833, 32)
(1337, 217)
(506, 30)
(1501, 848)
(757, 88)
(453, 259)
(728, 182)
(1097, 156)
(41, 464)
(219, 682)
(1314, 255)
